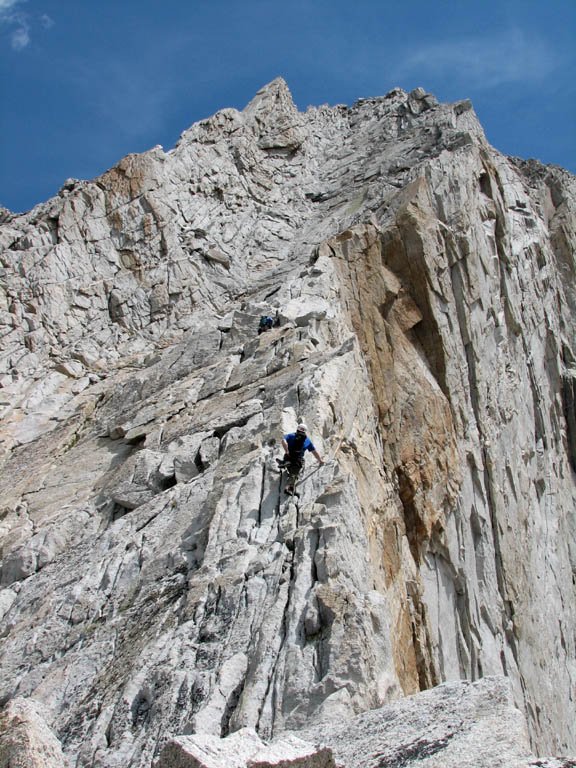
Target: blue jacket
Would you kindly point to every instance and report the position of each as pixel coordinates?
(307, 443)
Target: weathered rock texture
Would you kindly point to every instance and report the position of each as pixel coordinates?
(455, 725)
(26, 741)
(155, 580)
(243, 749)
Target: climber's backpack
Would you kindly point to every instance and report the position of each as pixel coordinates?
(297, 444)
(265, 322)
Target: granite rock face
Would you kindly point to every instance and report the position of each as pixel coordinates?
(455, 725)
(155, 580)
(26, 741)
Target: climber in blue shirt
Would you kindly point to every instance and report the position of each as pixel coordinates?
(265, 324)
(295, 444)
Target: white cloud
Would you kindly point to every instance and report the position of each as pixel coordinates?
(5, 5)
(20, 37)
(12, 16)
(483, 62)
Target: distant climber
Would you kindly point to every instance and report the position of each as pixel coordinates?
(265, 324)
(295, 444)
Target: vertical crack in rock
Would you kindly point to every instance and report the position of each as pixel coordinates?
(262, 488)
(473, 391)
(270, 695)
(230, 708)
(569, 404)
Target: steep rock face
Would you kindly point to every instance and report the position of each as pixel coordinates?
(155, 579)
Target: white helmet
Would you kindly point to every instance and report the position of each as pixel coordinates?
(302, 428)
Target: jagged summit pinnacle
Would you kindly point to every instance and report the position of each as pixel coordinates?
(275, 117)
(274, 92)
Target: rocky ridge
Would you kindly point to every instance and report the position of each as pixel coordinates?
(155, 581)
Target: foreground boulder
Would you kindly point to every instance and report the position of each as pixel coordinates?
(455, 725)
(26, 741)
(243, 749)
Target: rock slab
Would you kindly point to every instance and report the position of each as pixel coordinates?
(26, 741)
(243, 749)
(455, 725)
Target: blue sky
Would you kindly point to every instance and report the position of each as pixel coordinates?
(84, 82)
